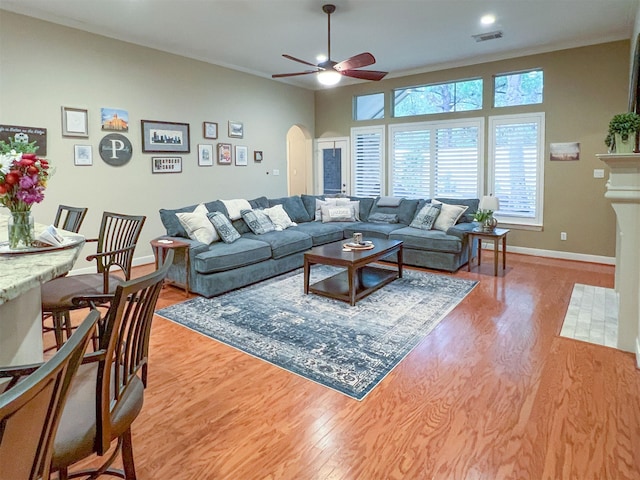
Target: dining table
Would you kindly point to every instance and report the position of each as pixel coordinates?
(22, 272)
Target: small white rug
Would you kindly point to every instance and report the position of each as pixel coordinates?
(592, 315)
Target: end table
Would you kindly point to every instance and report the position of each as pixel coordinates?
(496, 235)
(160, 248)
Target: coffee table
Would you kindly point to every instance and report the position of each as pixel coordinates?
(360, 278)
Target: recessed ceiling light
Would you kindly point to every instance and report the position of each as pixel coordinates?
(488, 19)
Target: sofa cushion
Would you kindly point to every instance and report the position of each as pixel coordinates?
(365, 206)
(222, 256)
(449, 215)
(172, 224)
(471, 203)
(309, 202)
(380, 217)
(278, 215)
(198, 226)
(260, 202)
(321, 233)
(235, 206)
(389, 201)
(294, 207)
(406, 210)
(223, 226)
(258, 221)
(370, 229)
(284, 243)
(426, 216)
(434, 240)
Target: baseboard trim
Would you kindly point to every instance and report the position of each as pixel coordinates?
(537, 252)
(136, 262)
(637, 352)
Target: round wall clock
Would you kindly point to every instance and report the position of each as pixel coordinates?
(115, 149)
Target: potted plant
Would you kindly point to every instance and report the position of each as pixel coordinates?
(486, 219)
(623, 129)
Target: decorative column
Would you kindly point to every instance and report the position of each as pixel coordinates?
(623, 189)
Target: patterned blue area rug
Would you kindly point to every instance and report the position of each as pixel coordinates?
(348, 349)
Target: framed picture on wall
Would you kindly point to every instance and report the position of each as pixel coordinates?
(257, 156)
(75, 122)
(159, 137)
(166, 164)
(82, 155)
(210, 130)
(241, 155)
(205, 155)
(236, 129)
(224, 154)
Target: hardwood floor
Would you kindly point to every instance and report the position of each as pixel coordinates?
(492, 393)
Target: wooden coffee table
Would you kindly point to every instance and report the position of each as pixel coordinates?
(360, 278)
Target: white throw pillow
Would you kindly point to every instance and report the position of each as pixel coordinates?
(334, 202)
(449, 215)
(198, 226)
(279, 217)
(235, 207)
(338, 213)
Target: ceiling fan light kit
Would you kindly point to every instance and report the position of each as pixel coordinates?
(330, 72)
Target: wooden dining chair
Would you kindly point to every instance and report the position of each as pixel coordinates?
(116, 244)
(30, 410)
(70, 218)
(107, 394)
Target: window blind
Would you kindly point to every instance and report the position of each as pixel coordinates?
(367, 155)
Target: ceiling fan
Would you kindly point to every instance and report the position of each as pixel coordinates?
(330, 72)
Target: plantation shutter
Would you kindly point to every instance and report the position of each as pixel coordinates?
(457, 163)
(411, 163)
(367, 160)
(516, 160)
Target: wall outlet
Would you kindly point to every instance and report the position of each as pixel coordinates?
(563, 235)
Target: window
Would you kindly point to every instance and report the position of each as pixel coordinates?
(368, 107)
(516, 151)
(367, 160)
(438, 98)
(437, 159)
(524, 88)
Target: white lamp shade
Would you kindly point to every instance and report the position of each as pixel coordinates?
(329, 77)
(489, 202)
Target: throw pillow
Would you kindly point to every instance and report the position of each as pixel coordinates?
(338, 213)
(389, 201)
(449, 215)
(337, 202)
(197, 225)
(279, 217)
(223, 226)
(234, 207)
(380, 217)
(258, 221)
(427, 216)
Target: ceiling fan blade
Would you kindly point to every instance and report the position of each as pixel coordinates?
(298, 60)
(357, 61)
(364, 74)
(280, 75)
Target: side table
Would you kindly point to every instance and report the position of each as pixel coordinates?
(160, 248)
(497, 235)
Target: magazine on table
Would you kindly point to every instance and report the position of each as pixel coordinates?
(50, 236)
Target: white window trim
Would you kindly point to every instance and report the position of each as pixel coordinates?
(381, 130)
(537, 222)
(432, 126)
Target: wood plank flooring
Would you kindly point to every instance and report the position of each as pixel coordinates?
(492, 393)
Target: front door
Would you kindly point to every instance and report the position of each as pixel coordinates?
(332, 160)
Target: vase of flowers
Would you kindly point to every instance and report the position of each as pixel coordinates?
(23, 179)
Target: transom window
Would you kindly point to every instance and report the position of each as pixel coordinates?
(522, 88)
(464, 95)
(368, 107)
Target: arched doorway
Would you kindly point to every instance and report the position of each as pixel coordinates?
(299, 161)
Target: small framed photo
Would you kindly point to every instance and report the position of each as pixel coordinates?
(166, 164)
(224, 154)
(75, 122)
(210, 130)
(205, 155)
(82, 155)
(241, 155)
(114, 119)
(257, 156)
(236, 129)
(161, 137)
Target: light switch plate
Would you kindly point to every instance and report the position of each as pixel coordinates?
(276, 172)
(598, 173)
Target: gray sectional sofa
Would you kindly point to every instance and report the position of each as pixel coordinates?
(220, 267)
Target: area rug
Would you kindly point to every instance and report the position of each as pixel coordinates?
(349, 349)
(592, 315)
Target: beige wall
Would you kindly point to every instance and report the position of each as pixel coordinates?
(45, 66)
(584, 88)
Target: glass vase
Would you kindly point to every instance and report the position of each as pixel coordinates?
(21, 234)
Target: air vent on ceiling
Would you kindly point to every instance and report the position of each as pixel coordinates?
(483, 37)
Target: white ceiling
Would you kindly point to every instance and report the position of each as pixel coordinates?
(405, 36)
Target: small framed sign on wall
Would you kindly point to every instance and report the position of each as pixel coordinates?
(166, 164)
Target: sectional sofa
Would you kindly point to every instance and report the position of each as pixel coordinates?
(219, 267)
